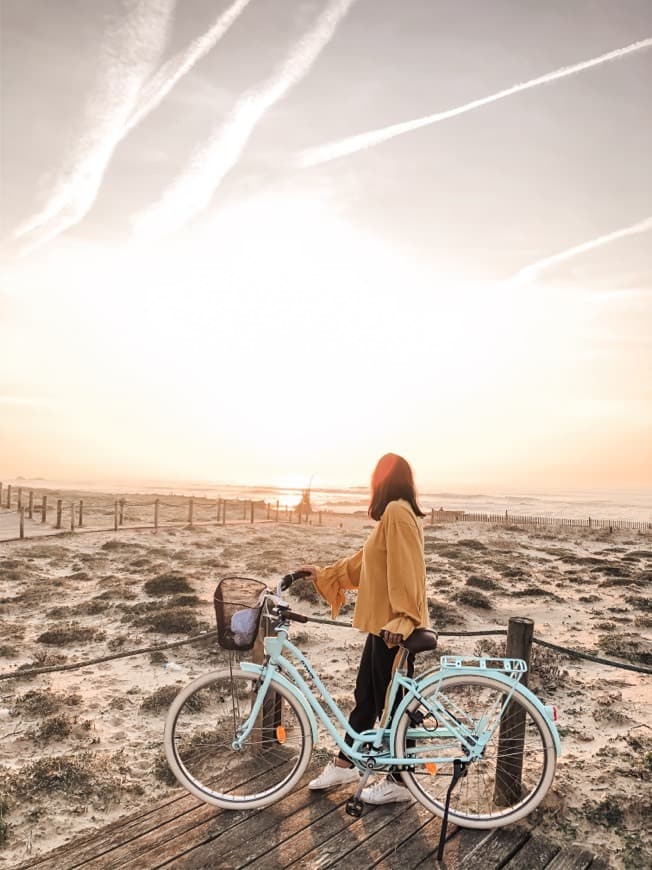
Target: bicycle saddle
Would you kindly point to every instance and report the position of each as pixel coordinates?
(421, 640)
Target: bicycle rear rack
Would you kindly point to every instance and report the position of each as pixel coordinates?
(514, 667)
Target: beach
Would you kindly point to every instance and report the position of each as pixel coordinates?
(83, 747)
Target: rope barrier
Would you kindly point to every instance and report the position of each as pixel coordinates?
(208, 635)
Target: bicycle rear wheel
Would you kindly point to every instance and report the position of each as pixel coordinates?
(484, 797)
(204, 720)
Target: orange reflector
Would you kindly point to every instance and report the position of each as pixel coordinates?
(280, 734)
(431, 767)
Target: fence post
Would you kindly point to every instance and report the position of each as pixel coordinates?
(320, 518)
(21, 524)
(589, 522)
(271, 716)
(44, 508)
(276, 514)
(81, 513)
(121, 518)
(72, 516)
(223, 511)
(191, 506)
(251, 511)
(269, 510)
(511, 738)
(9, 496)
(244, 510)
(19, 502)
(217, 510)
(59, 504)
(30, 503)
(156, 515)
(115, 516)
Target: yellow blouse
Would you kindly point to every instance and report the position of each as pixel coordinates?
(389, 573)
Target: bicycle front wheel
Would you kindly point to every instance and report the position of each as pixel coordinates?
(205, 719)
(489, 795)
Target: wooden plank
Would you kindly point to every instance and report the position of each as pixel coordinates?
(71, 854)
(496, 848)
(535, 854)
(571, 858)
(334, 846)
(207, 846)
(389, 839)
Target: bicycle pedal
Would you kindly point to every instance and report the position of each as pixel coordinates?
(354, 807)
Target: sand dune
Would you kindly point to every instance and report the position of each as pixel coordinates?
(80, 748)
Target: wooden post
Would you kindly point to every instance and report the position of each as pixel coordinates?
(589, 522)
(432, 516)
(244, 510)
(59, 504)
(251, 511)
(44, 508)
(156, 515)
(30, 503)
(115, 516)
(217, 510)
(121, 517)
(9, 496)
(320, 518)
(81, 513)
(21, 522)
(223, 511)
(72, 516)
(511, 738)
(191, 507)
(271, 715)
(268, 505)
(276, 514)
(19, 502)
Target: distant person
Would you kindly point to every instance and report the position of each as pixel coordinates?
(389, 573)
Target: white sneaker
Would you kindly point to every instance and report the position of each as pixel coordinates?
(385, 792)
(333, 775)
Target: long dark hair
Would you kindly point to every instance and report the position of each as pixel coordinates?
(392, 479)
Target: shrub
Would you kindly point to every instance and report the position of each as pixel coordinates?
(53, 728)
(479, 582)
(167, 584)
(442, 614)
(473, 598)
(160, 699)
(68, 634)
(170, 622)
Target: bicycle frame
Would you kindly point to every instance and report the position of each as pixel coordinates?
(378, 740)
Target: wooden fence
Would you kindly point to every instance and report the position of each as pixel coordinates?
(50, 512)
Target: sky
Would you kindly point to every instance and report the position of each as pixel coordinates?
(257, 242)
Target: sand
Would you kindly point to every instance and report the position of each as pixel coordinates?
(81, 748)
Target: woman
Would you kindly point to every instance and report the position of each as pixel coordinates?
(390, 576)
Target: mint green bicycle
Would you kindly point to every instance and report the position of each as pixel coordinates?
(470, 741)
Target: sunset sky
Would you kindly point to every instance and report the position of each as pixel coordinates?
(204, 277)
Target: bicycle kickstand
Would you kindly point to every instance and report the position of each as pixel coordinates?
(459, 771)
(354, 805)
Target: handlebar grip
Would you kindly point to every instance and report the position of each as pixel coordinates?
(295, 617)
(289, 579)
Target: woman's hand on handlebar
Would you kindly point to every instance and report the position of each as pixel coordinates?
(306, 571)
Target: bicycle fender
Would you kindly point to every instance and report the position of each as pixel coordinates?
(501, 678)
(252, 668)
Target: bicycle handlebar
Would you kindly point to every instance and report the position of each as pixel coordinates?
(289, 579)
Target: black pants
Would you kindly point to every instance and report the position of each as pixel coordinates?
(374, 676)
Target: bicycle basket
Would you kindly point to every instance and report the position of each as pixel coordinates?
(238, 607)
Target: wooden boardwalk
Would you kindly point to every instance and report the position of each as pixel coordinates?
(306, 831)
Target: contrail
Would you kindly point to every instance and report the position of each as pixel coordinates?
(139, 34)
(531, 271)
(160, 85)
(333, 150)
(193, 190)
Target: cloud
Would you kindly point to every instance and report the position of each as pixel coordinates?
(130, 50)
(527, 273)
(192, 191)
(160, 85)
(352, 144)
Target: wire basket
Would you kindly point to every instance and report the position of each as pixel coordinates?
(238, 607)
